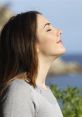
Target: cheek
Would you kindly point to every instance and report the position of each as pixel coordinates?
(48, 43)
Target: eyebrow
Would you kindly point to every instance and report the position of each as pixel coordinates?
(47, 24)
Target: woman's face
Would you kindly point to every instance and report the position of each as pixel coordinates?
(49, 38)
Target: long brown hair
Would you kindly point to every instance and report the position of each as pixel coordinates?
(17, 48)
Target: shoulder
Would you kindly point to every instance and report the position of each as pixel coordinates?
(19, 92)
(19, 86)
(17, 89)
(19, 98)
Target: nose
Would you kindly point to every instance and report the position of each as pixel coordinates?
(59, 32)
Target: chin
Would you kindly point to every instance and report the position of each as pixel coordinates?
(63, 51)
(60, 52)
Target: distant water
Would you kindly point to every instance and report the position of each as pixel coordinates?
(72, 57)
(63, 81)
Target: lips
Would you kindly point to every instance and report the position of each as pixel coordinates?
(60, 41)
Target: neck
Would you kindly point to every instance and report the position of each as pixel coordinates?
(44, 65)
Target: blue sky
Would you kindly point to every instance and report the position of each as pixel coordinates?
(64, 14)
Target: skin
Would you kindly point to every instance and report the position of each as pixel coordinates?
(48, 48)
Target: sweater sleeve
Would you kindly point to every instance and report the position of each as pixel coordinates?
(18, 102)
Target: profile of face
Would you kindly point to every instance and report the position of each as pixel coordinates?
(49, 38)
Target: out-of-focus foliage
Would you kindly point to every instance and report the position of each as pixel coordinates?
(69, 99)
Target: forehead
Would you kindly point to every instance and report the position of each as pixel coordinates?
(41, 21)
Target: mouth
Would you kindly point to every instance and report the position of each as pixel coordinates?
(60, 41)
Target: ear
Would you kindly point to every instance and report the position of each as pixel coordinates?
(37, 48)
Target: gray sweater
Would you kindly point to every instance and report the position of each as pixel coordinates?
(22, 100)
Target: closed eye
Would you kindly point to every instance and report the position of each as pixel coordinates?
(49, 30)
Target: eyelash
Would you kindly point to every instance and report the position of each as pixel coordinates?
(49, 30)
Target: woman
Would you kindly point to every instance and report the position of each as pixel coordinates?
(28, 46)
